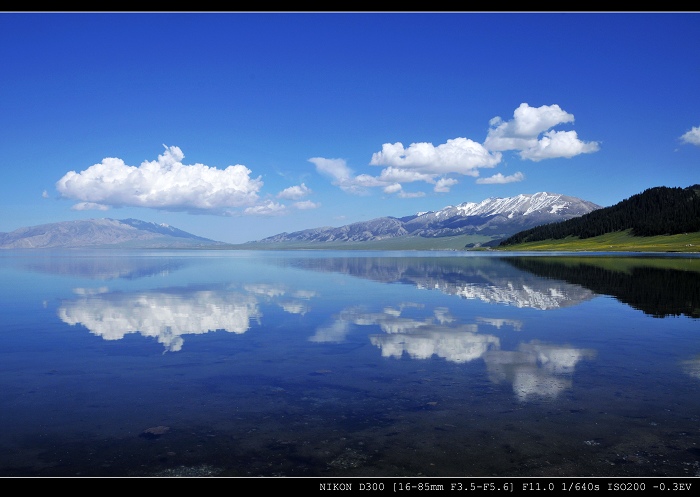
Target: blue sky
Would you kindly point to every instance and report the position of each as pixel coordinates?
(237, 126)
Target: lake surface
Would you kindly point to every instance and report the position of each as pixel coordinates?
(232, 363)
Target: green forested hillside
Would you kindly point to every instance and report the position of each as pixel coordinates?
(655, 211)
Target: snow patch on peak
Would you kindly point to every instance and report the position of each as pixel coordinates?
(557, 207)
(510, 207)
(541, 201)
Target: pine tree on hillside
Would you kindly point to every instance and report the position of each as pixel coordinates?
(655, 211)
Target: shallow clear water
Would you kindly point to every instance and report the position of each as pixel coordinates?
(369, 364)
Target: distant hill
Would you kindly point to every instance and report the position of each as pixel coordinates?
(100, 233)
(656, 211)
(491, 219)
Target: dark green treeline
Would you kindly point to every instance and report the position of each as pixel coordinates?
(656, 291)
(656, 211)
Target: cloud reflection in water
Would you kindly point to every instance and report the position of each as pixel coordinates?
(162, 315)
(535, 370)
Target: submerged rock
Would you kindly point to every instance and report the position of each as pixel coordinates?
(154, 432)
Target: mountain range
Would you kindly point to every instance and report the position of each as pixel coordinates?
(494, 218)
(100, 233)
(487, 222)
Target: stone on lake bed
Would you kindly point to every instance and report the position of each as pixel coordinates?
(154, 432)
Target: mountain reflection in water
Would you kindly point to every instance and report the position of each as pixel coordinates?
(489, 279)
(658, 286)
(101, 264)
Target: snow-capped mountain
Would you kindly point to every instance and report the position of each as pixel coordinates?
(495, 217)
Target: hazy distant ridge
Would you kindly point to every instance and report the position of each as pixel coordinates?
(130, 233)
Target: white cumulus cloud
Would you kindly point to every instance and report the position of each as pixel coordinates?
(335, 168)
(89, 206)
(306, 205)
(294, 192)
(404, 194)
(692, 136)
(344, 177)
(365, 181)
(389, 180)
(396, 188)
(458, 155)
(403, 175)
(529, 133)
(268, 208)
(340, 174)
(393, 188)
(523, 132)
(529, 121)
(556, 144)
(500, 179)
(444, 184)
(165, 183)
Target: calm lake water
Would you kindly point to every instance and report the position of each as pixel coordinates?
(232, 363)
